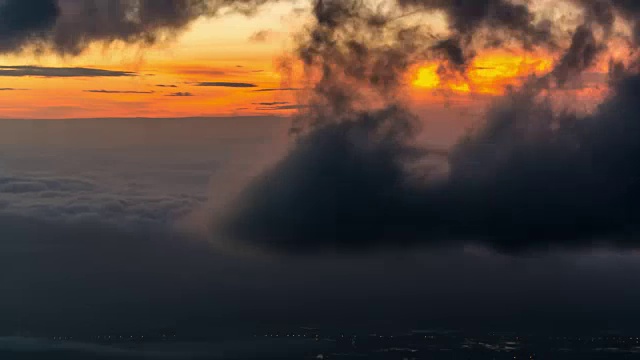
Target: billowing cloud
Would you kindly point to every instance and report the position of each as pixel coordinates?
(530, 178)
(558, 181)
(505, 19)
(42, 71)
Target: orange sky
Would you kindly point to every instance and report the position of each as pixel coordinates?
(221, 51)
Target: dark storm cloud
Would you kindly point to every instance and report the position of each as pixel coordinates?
(23, 22)
(180, 94)
(70, 26)
(226, 84)
(603, 12)
(603, 8)
(344, 156)
(453, 50)
(42, 71)
(119, 92)
(529, 179)
(581, 54)
(632, 10)
(585, 48)
(506, 21)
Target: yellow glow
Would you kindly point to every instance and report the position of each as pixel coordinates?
(460, 87)
(427, 77)
(489, 73)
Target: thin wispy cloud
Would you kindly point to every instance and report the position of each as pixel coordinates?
(278, 89)
(167, 86)
(180, 94)
(203, 71)
(119, 92)
(282, 107)
(213, 71)
(273, 103)
(42, 71)
(262, 36)
(226, 84)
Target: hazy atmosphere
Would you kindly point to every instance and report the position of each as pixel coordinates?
(223, 171)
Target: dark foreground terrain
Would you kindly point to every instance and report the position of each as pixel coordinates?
(314, 344)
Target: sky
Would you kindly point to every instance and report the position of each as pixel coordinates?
(220, 66)
(161, 80)
(209, 165)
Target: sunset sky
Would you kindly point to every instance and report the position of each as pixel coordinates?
(162, 80)
(232, 65)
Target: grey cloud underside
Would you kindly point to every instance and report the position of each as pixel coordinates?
(41, 71)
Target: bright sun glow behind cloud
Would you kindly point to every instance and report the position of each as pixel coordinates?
(489, 73)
